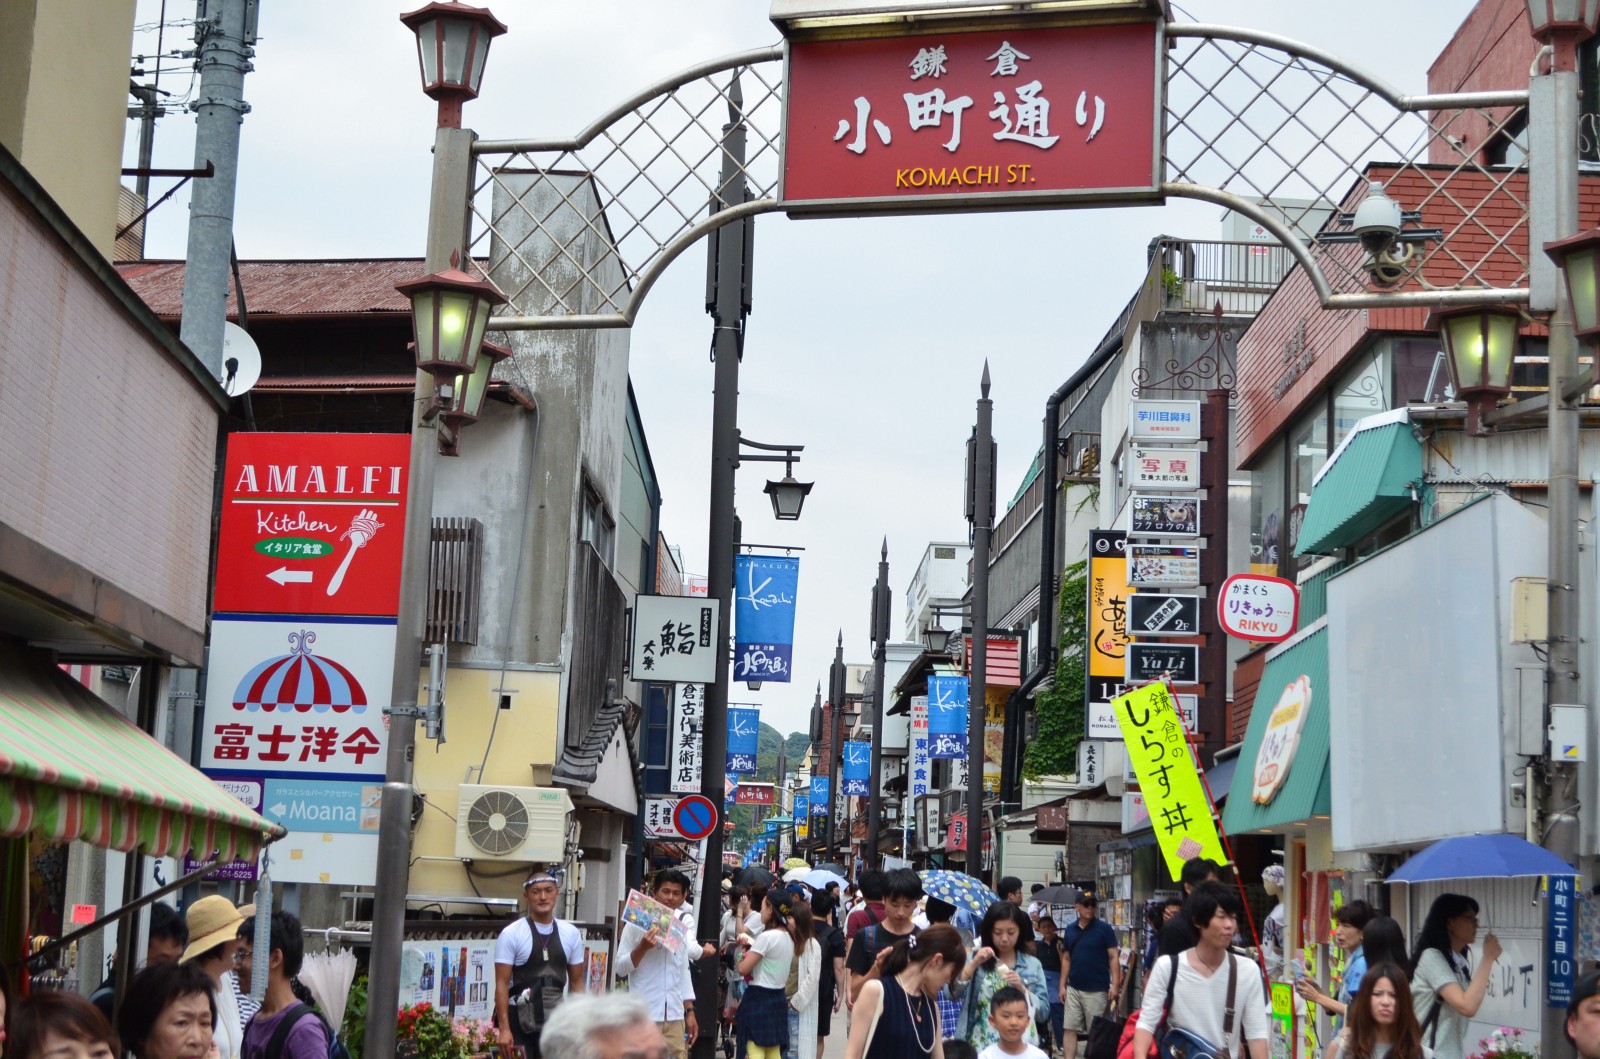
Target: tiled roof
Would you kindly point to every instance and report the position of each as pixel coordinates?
(580, 766)
(283, 288)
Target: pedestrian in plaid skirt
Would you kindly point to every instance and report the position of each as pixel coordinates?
(764, 1012)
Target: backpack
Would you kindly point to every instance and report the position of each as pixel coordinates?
(280, 1036)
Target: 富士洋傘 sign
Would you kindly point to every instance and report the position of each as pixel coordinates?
(938, 120)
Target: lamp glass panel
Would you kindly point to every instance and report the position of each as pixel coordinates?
(1502, 336)
(455, 323)
(1580, 268)
(477, 326)
(457, 42)
(787, 498)
(428, 50)
(424, 321)
(480, 55)
(1465, 344)
(476, 386)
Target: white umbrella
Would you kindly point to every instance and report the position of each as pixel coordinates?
(796, 874)
(329, 975)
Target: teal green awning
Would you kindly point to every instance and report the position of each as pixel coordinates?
(1366, 483)
(1305, 789)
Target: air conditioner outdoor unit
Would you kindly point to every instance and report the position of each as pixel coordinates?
(512, 823)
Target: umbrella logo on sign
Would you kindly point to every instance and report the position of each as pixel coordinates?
(300, 681)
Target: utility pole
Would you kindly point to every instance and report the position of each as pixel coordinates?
(980, 513)
(225, 32)
(728, 302)
(836, 733)
(880, 650)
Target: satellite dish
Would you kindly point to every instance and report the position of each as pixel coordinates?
(241, 360)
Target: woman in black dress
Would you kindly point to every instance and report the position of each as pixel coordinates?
(895, 1016)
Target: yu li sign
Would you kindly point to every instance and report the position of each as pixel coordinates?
(957, 120)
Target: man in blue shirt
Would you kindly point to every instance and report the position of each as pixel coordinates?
(1091, 972)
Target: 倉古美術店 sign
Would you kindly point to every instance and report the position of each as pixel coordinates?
(975, 119)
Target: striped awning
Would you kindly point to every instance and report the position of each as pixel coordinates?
(73, 768)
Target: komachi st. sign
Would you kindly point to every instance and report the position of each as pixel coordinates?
(956, 120)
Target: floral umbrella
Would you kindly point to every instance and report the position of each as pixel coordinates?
(300, 681)
(959, 889)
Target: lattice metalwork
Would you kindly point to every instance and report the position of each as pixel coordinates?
(575, 231)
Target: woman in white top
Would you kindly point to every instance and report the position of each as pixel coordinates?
(1444, 992)
(1380, 1021)
(803, 1005)
(764, 1012)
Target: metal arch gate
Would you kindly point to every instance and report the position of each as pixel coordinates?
(1247, 115)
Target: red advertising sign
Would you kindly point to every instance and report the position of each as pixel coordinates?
(753, 794)
(312, 524)
(1259, 608)
(1008, 118)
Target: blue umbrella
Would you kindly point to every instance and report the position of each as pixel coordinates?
(1481, 857)
(959, 889)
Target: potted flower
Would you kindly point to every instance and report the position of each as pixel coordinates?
(1504, 1043)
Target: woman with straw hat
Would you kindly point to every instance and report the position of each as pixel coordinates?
(213, 941)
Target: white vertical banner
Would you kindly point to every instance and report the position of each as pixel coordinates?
(688, 722)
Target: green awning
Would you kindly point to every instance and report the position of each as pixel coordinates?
(73, 768)
(1296, 673)
(1366, 483)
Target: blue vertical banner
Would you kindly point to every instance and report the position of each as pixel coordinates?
(744, 739)
(802, 807)
(764, 588)
(1560, 939)
(819, 795)
(947, 717)
(857, 770)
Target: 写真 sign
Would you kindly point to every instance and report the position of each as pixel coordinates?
(1163, 565)
(1164, 421)
(1258, 607)
(1150, 614)
(1158, 468)
(1164, 516)
(959, 120)
(674, 639)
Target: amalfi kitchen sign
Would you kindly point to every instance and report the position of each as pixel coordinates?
(956, 120)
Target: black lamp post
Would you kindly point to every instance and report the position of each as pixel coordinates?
(1480, 344)
(452, 48)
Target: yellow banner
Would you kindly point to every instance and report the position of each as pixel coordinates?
(1168, 779)
(1108, 605)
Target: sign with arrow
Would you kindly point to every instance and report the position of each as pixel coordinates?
(312, 524)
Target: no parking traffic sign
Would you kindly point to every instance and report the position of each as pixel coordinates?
(695, 817)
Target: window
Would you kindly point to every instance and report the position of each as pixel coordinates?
(1308, 451)
(1266, 513)
(1363, 391)
(597, 527)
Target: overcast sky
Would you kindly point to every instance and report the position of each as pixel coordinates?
(868, 336)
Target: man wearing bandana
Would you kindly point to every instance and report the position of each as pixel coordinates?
(538, 960)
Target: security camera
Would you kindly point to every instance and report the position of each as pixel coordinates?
(1377, 220)
(1389, 265)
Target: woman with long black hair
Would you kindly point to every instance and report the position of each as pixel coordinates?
(1380, 1021)
(894, 1015)
(1004, 957)
(1445, 989)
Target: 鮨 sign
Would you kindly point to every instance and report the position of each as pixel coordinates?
(1164, 516)
(1281, 740)
(675, 639)
(1155, 615)
(1178, 662)
(1258, 607)
(996, 119)
(1163, 565)
(1156, 468)
(1164, 421)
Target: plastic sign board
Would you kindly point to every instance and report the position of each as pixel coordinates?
(312, 524)
(1281, 740)
(1163, 566)
(1164, 421)
(1560, 939)
(688, 720)
(1102, 718)
(753, 794)
(1169, 780)
(1179, 663)
(1108, 606)
(1258, 607)
(982, 119)
(1164, 516)
(1150, 614)
(1157, 468)
(675, 639)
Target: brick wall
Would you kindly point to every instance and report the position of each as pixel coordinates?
(109, 446)
(1246, 679)
(1492, 50)
(1082, 854)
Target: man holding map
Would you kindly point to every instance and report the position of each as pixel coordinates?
(656, 961)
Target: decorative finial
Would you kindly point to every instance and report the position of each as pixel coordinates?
(985, 385)
(885, 548)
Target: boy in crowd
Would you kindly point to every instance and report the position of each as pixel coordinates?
(901, 892)
(1198, 984)
(1009, 1015)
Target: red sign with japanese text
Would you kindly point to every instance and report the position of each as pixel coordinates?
(1016, 116)
(312, 524)
(753, 794)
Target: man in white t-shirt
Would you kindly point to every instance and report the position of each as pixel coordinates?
(537, 960)
(1199, 997)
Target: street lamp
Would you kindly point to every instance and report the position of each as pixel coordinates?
(936, 636)
(788, 496)
(1575, 17)
(449, 314)
(1480, 344)
(1578, 258)
(452, 48)
(463, 403)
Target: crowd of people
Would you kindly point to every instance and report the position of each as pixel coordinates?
(916, 975)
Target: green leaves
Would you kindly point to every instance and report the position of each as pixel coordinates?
(1059, 711)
